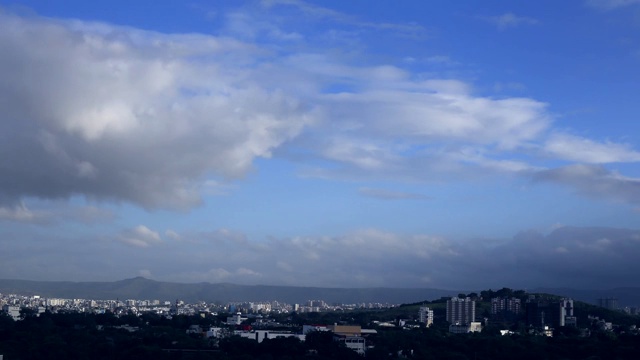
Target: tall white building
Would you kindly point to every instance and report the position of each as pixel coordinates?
(425, 316)
(461, 311)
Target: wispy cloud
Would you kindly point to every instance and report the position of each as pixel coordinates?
(20, 213)
(410, 29)
(611, 4)
(509, 20)
(579, 149)
(140, 236)
(594, 181)
(384, 194)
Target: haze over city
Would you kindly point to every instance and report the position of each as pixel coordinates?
(439, 144)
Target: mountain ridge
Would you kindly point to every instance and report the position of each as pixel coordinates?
(143, 288)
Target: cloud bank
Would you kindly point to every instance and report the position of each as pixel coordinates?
(567, 257)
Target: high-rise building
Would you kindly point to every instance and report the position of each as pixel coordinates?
(608, 303)
(461, 311)
(505, 305)
(425, 316)
(551, 313)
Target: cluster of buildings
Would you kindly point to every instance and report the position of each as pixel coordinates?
(308, 306)
(612, 304)
(12, 304)
(540, 314)
(461, 315)
(353, 337)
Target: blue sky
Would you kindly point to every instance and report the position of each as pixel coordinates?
(265, 142)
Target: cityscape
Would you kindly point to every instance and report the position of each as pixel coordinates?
(319, 179)
(511, 313)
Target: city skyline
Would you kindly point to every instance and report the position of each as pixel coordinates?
(331, 144)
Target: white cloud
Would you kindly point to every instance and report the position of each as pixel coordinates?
(508, 20)
(574, 148)
(140, 236)
(20, 213)
(119, 114)
(247, 272)
(319, 12)
(145, 273)
(172, 235)
(115, 113)
(440, 111)
(217, 275)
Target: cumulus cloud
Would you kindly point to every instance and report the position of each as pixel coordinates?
(120, 114)
(140, 236)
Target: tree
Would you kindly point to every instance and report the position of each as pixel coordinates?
(26, 313)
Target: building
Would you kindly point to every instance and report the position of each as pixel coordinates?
(461, 311)
(550, 313)
(425, 316)
(355, 343)
(309, 328)
(214, 332)
(505, 309)
(473, 326)
(505, 305)
(349, 330)
(608, 303)
(260, 335)
(352, 336)
(236, 319)
(13, 311)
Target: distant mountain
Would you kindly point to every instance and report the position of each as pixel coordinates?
(141, 288)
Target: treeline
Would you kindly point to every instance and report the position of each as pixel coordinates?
(105, 336)
(91, 336)
(430, 344)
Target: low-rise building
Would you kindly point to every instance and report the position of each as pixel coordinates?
(236, 319)
(458, 328)
(260, 335)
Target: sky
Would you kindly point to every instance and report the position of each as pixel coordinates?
(439, 144)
